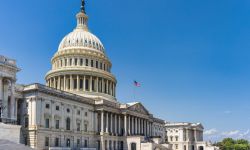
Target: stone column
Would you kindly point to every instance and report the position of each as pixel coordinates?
(132, 123)
(59, 83)
(139, 124)
(111, 123)
(84, 83)
(96, 85)
(12, 101)
(136, 132)
(54, 85)
(102, 122)
(119, 124)
(90, 83)
(195, 135)
(102, 85)
(107, 122)
(71, 82)
(64, 83)
(78, 83)
(129, 127)
(115, 124)
(125, 125)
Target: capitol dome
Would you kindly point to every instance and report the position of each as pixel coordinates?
(80, 65)
(81, 38)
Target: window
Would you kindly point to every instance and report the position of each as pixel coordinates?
(78, 126)
(46, 141)
(56, 142)
(47, 106)
(68, 142)
(85, 128)
(46, 123)
(78, 112)
(85, 143)
(171, 138)
(92, 63)
(104, 66)
(57, 124)
(176, 138)
(185, 147)
(81, 62)
(87, 62)
(57, 108)
(86, 114)
(176, 146)
(96, 63)
(93, 85)
(68, 110)
(78, 142)
(68, 124)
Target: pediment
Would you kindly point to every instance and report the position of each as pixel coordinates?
(139, 108)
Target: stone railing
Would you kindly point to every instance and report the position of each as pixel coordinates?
(59, 148)
(7, 61)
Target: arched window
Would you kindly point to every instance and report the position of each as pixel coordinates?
(68, 124)
(87, 84)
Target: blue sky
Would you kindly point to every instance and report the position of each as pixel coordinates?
(191, 57)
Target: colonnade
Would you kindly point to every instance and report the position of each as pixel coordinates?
(81, 83)
(7, 100)
(124, 124)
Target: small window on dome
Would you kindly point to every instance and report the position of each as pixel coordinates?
(65, 62)
(87, 62)
(76, 61)
(100, 65)
(92, 63)
(81, 61)
(97, 64)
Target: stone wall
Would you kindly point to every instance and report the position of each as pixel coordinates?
(10, 132)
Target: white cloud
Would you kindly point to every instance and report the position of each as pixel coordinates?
(211, 132)
(231, 133)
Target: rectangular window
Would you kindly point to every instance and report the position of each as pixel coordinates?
(56, 142)
(68, 143)
(176, 146)
(78, 142)
(57, 108)
(92, 63)
(26, 124)
(78, 126)
(85, 128)
(87, 62)
(87, 84)
(96, 63)
(46, 123)
(46, 141)
(47, 106)
(81, 62)
(85, 143)
(57, 124)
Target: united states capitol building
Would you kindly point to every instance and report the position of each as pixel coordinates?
(78, 108)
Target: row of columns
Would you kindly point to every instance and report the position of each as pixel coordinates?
(83, 83)
(124, 125)
(7, 100)
(81, 62)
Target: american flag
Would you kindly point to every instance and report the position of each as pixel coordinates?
(137, 84)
